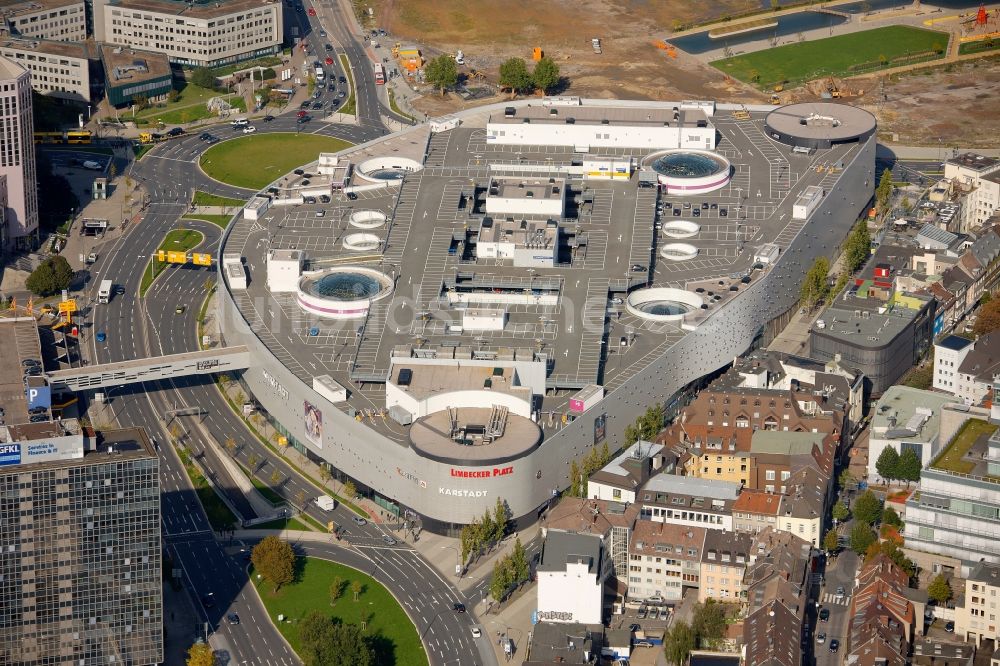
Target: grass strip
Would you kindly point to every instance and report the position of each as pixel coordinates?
(351, 105)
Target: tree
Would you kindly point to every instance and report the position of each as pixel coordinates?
(574, 479)
(175, 432)
(862, 536)
(173, 96)
(52, 276)
(514, 75)
(887, 464)
(940, 589)
(275, 476)
(300, 499)
(846, 478)
(909, 467)
(884, 190)
(203, 78)
(646, 427)
(709, 622)
(201, 654)
(831, 542)
(327, 641)
(441, 72)
(356, 588)
(141, 102)
(230, 445)
(501, 580)
(274, 559)
(755, 76)
(253, 460)
(519, 562)
(350, 489)
(337, 586)
(324, 474)
(678, 643)
(890, 517)
(891, 549)
(814, 286)
(857, 249)
(500, 518)
(988, 319)
(868, 508)
(546, 74)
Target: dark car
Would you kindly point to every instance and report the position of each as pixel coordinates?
(305, 104)
(29, 362)
(233, 618)
(309, 200)
(677, 212)
(317, 105)
(332, 87)
(38, 418)
(299, 172)
(208, 601)
(704, 206)
(352, 196)
(458, 608)
(341, 94)
(949, 627)
(824, 615)
(634, 627)
(638, 267)
(268, 119)
(303, 119)
(714, 206)
(341, 79)
(723, 212)
(175, 131)
(834, 645)
(696, 212)
(324, 198)
(328, 47)
(205, 136)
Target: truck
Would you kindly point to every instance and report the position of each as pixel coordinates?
(320, 74)
(326, 502)
(104, 292)
(596, 44)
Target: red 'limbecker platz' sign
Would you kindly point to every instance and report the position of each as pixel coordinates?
(482, 473)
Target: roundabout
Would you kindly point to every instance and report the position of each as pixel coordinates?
(240, 161)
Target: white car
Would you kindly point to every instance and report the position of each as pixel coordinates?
(249, 129)
(94, 166)
(476, 633)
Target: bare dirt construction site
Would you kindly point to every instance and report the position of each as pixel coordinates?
(630, 67)
(954, 103)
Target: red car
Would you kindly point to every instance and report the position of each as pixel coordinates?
(329, 61)
(301, 114)
(311, 12)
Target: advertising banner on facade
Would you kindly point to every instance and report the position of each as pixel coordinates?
(313, 419)
(10, 454)
(600, 428)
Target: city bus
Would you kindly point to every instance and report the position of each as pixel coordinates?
(70, 136)
(379, 74)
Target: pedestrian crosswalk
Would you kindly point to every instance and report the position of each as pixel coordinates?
(839, 599)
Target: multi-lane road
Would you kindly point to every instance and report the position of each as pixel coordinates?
(135, 327)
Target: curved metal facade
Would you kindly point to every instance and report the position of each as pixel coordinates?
(445, 494)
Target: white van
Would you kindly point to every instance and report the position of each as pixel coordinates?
(240, 122)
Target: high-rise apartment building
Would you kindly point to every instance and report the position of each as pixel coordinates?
(17, 154)
(80, 552)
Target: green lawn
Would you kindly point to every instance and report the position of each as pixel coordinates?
(255, 161)
(351, 105)
(218, 513)
(395, 107)
(178, 240)
(951, 458)
(395, 637)
(284, 524)
(835, 56)
(217, 220)
(206, 199)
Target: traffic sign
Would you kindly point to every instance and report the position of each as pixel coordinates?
(68, 306)
(176, 257)
(201, 259)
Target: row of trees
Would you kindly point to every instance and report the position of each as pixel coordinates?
(514, 75)
(883, 192)
(646, 427)
(510, 571)
(815, 287)
(595, 459)
(708, 626)
(857, 247)
(486, 531)
(892, 466)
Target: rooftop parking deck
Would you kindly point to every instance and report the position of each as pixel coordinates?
(573, 314)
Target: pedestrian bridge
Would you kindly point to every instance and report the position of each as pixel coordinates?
(150, 369)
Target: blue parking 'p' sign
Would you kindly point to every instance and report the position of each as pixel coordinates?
(39, 396)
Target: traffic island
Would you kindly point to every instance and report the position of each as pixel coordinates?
(254, 161)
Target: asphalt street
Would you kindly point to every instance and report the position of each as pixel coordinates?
(136, 327)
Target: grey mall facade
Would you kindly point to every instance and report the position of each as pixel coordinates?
(446, 495)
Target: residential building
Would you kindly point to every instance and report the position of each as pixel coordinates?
(804, 506)
(971, 379)
(724, 560)
(81, 575)
(949, 352)
(755, 510)
(664, 560)
(976, 618)
(58, 20)
(612, 521)
(771, 635)
(684, 500)
(620, 479)
(906, 418)
(571, 572)
(940, 652)
(58, 69)
(977, 177)
(777, 455)
(956, 511)
(17, 155)
(130, 74)
(200, 35)
(566, 643)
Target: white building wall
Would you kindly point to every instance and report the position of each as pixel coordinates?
(64, 23)
(18, 160)
(574, 591)
(946, 365)
(652, 137)
(458, 399)
(60, 76)
(498, 205)
(603, 491)
(929, 450)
